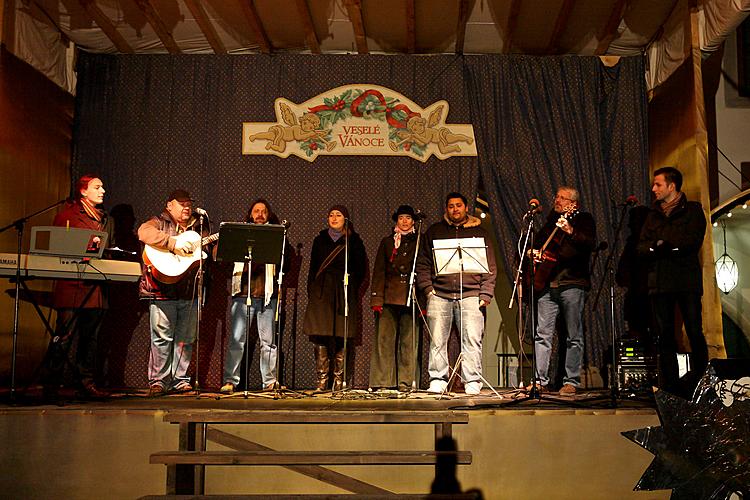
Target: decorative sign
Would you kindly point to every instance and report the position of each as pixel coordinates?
(359, 120)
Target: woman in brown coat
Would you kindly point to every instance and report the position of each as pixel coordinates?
(324, 317)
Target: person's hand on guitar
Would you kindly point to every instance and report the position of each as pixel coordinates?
(564, 224)
(183, 249)
(537, 255)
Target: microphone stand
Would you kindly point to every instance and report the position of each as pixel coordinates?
(200, 309)
(18, 224)
(609, 272)
(346, 303)
(517, 286)
(413, 304)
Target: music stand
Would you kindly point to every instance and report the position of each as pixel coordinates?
(259, 243)
(448, 256)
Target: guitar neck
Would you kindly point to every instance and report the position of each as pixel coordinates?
(546, 243)
(209, 239)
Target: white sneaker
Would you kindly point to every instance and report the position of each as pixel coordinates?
(473, 388)
(437, 386)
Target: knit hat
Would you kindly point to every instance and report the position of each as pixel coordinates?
(403, 210)
(341, 208)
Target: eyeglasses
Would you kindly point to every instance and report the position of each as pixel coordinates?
(558, 197)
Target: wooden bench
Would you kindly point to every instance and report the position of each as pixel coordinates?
(186, 466)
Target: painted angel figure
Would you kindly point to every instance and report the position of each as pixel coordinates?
(307, 128)
(423, 132)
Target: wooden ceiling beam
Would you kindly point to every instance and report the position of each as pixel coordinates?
(563, 17)
(354, 8)
(411, 27)
(158, 25)
(205, 25)
(307, 25)
(510, 27)
(609, 31)
(463, 18)
(107, 26)
(251, 14)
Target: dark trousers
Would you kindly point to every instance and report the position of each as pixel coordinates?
(663, 307)
(393, 351)
(74, 327)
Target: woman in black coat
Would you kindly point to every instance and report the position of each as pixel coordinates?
(324, 317)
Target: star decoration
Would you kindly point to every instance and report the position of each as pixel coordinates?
(702, 448)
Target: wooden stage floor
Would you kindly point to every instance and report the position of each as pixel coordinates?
(354, 399)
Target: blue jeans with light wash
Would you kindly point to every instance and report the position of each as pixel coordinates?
(440, 316)
(173, 324)
(570, 300)
(237, 340)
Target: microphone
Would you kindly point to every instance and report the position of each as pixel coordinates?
(534, 206)
(200, 211)
(286, 223)
(631, 201)
(418, 215)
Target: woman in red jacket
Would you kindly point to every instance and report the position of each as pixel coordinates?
(80, 304)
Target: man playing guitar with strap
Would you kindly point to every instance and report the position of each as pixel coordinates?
(562, 252)
(173, 303)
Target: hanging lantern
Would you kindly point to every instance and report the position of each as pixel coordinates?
(727, 273)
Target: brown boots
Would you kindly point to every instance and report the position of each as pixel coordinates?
(323, 365)
(338, 369)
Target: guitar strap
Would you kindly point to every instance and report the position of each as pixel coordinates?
(328, 260)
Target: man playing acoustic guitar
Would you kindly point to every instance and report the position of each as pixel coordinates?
(562, 253)
(173, 301)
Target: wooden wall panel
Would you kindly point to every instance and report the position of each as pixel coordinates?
(36, 118)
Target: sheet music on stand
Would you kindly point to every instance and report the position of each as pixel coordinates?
(453, 253)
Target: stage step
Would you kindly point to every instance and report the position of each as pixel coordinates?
(307, 457)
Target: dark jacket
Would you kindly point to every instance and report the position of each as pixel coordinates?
(70, 293)
(325, 294)
(448, 286)
(573, 251)
(674, 266)
(159, 231)
(390, 272)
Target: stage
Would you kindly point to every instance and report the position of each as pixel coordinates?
(557, 447)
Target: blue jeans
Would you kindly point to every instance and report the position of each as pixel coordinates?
(548, 307)
(236, 342)
(173, 324)
(440, 316)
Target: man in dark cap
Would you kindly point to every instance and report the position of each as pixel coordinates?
(173, 301)
(389, 367)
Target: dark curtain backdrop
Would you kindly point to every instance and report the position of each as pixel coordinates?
(554, 121)
(149, 124)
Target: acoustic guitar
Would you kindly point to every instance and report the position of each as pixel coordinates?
(547, 260)
(168, 267)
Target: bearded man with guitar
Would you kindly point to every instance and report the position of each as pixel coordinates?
(562, 252)
(168, 282)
